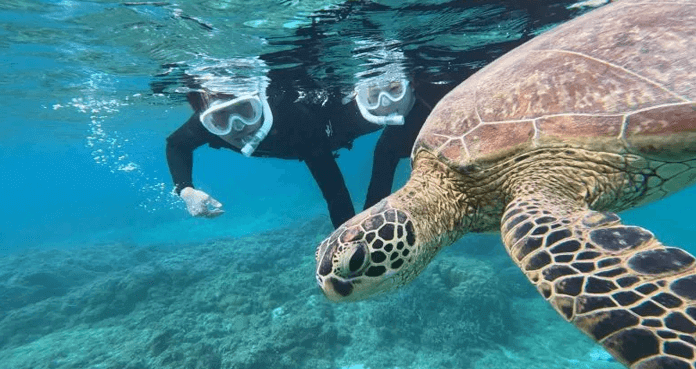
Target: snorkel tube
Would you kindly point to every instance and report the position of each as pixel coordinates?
(251, 145)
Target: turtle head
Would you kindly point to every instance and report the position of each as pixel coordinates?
(373, 252)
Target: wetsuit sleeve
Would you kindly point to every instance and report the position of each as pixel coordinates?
(322, 164)
(180, 147)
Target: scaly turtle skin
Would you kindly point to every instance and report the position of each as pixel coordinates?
(594, 117)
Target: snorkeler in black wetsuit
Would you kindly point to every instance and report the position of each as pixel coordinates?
(309, 124)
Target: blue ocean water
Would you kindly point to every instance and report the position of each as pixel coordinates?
(102, 267)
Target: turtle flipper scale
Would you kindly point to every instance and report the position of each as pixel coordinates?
(615, 282)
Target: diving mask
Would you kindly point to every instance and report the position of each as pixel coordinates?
(221, 118)
(229, 119)
(387, 103)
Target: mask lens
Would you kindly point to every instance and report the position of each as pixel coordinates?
(245, 113)
(218, 121)
(244, 110)
(396, 89)
(373, 95)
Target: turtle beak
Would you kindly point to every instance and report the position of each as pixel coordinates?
(336, 289)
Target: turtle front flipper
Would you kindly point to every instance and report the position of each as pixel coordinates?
(617, 283)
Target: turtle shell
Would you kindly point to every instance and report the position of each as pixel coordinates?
(619, 79)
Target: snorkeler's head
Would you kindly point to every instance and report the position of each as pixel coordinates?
(243, 121)
(385, 101)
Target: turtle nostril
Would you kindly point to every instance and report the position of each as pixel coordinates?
(358, 259)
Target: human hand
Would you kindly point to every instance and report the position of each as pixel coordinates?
(200, 204)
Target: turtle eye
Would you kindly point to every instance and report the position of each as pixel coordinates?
(357, 260)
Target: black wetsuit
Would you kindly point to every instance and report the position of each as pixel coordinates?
(308, 124)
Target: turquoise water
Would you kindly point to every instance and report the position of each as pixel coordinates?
(101, 266)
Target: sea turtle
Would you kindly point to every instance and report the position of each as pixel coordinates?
(546, 143)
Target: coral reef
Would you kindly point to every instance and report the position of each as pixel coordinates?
(252, 303)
